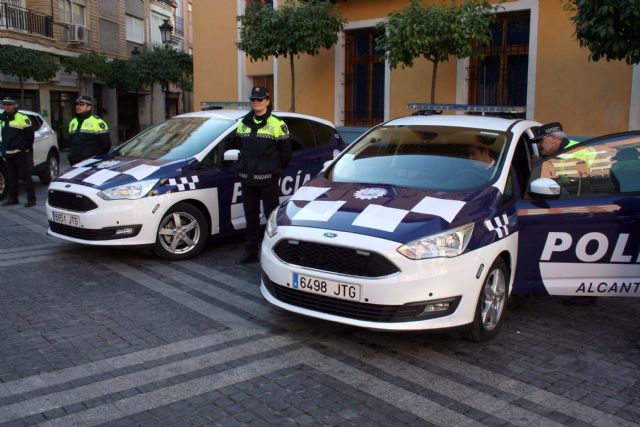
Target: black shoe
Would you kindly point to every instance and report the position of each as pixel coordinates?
(10, 202)
(248, 258)
(30, 203)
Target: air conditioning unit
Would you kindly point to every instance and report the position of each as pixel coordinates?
(78, 34)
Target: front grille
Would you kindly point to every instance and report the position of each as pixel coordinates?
(70, 201)
(337, 259)
(354, 310)
(108, 233)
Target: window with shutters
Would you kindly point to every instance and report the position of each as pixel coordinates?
(499, 75)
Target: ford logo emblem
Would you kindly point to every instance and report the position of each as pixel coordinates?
(67, 186)
(330, 235)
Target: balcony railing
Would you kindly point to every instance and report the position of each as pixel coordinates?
(25, 21)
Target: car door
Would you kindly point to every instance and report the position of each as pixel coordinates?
(586, 240)
(39, 143)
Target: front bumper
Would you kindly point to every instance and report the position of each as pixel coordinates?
(99, 226)
(399, 298)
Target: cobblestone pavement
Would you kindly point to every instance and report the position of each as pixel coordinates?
(92, 336)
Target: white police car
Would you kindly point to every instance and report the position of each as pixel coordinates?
(171, 187)
(46, 157)
(405, 231)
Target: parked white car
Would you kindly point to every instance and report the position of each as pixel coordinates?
(46, 155)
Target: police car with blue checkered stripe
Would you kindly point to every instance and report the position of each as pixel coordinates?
(170, 187)
(433, 221)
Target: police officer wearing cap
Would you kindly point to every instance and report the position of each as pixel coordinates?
(265, 149)
(17, 151)
(89, 134)
(552, 139)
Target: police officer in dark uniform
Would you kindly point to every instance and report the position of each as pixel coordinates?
(265, 149)
(89, 134)
(17, 151)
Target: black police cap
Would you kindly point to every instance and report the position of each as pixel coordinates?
(548, 129)
(8, 100)
(259, 92)
(84, 99)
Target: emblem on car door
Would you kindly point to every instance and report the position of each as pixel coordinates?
(330, 235)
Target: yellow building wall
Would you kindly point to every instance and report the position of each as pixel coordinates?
(258, 68)
(314, 84)
(215, 56)
(588, 98)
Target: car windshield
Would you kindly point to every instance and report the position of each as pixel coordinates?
(175, 139)
(442, 158)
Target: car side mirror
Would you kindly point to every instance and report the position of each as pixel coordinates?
(231, 155)
(545, 188)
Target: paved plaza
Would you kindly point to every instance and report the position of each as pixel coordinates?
(104, 336)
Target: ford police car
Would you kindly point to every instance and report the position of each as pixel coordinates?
(408, 230)
(171, 187)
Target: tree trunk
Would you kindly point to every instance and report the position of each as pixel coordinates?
(433, 82)
(151, 107)
(21, 92)
(293, 85)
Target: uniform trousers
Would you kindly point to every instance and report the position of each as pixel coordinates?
(251, 197)
(19, 169)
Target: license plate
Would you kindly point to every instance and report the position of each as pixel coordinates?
(328, 288)
(66, 219)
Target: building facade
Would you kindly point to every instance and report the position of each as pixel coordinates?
(534, 61)
(114, 28)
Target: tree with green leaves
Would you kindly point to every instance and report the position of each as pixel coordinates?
(86, 65)
(609, 29)
(435, 32)
(289, 31)
(162, 66)
(27, 64)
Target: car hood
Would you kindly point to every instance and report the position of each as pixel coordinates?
(395, 213)
(105, 171)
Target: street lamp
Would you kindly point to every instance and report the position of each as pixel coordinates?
(165, 34)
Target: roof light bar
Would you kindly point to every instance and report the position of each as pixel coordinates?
(508, 109)
(217, 105)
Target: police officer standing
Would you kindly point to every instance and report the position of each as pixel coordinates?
(265, 149)
(17, 151)
(89, 134)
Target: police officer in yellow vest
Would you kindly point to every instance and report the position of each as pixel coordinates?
(89, 134)
(265, 150)
(552, 139)
(17, 151)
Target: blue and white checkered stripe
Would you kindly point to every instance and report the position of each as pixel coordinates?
(499, 224)
(185, 182)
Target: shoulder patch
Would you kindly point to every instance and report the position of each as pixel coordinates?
(102, 125)
(27, 120)
(284, 128)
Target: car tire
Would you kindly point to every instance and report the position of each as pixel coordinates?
(182, 234)
(3, 181)
(52, 170)
(492, 303)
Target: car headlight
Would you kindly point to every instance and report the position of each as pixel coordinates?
(272, 223)
(448, 244)
(136, 190)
